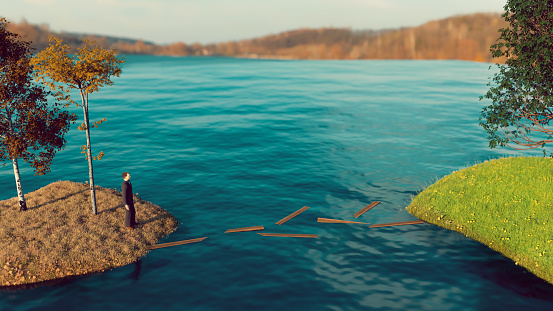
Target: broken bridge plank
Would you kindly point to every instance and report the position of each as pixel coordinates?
(366, 208)
(294, 214)
(402, 223)
(339, 221)
(246, 229)
(176, 243)
(287, 235)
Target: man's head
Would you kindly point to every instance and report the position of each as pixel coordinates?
(126, 176)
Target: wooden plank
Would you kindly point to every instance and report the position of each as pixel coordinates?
(294, 214)
(246, 229)
(402, 223)
(289, 235)
(366, 208)
(338, 221)
(176, 243)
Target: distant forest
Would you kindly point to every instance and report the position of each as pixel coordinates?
(466, 37)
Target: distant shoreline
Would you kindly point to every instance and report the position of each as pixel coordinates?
(465, 37)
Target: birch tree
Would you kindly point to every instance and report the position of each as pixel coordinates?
(90, 68)
(30, 128)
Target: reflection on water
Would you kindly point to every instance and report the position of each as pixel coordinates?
(135, 275)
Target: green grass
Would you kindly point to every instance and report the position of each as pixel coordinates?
(506, 204)
(58, 236)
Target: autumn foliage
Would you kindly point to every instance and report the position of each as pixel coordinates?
(88, 69)
(31, 128)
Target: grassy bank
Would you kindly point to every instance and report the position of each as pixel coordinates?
(506, 204)
(59, 237)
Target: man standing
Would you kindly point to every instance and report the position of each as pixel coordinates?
(126, 191)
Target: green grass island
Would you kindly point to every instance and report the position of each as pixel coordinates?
(58, 237)
(505, 204)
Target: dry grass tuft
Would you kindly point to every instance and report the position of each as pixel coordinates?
(59, 237)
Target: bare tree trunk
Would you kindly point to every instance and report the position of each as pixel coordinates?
(20, 196)
(84, 98)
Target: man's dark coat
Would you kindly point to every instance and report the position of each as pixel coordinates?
(126, 190)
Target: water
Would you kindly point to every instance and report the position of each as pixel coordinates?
(229, 143)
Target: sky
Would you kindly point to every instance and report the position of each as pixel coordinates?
(211, 21)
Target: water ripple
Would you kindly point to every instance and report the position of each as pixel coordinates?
(228, 143)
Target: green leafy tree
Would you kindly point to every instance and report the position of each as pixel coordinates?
(90, 68)
(522, 98)
(30, 128)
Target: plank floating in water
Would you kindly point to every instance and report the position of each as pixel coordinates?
(286, 235)
(413, 222)
(176, 243)
(246, 229)
(294, 214)
(366, 208)
(338, 221)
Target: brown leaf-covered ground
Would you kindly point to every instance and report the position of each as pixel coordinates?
(58, 236)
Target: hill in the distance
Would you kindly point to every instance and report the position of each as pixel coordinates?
(466, 37)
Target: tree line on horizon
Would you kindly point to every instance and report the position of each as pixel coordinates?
(465, 37)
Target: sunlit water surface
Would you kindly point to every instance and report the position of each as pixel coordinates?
(228, 143)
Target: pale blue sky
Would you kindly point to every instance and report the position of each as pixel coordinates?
(208, 21)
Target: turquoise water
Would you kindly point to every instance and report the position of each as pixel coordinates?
(227, 143)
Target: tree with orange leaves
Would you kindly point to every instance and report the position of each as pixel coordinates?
(90, 68)
(30, 128)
